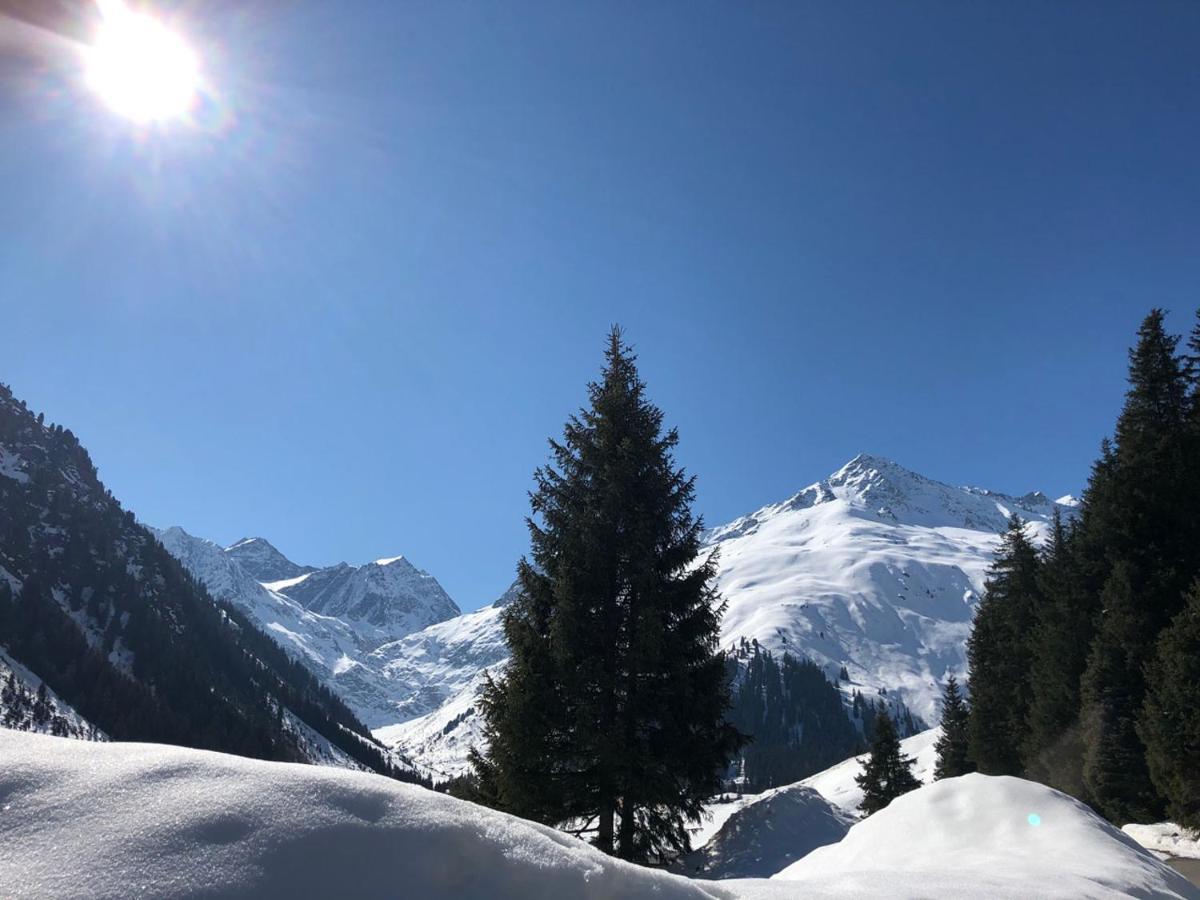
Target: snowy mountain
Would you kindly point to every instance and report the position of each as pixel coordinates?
(397, 681)
(102, 631)
(382, 600)
(875, 568)
(263, 562)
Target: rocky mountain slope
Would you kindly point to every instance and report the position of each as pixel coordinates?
(125, 641)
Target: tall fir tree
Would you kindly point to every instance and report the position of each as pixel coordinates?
(1115, 773)
(999, 652)
(612, 708)
(1065, 626)
(951, 746)
(1139, 548)
(887, 772)
(1170, 722)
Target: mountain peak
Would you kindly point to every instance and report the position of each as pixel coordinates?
(263, 561)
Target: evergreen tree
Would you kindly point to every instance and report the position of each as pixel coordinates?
(951, 746)
(1139, 548)
(1115, 773)
(887, 772)
(1063, 633)
(1170, 722)
(612, 707)
(999, 653)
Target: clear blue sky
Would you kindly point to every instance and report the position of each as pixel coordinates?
(347, 314)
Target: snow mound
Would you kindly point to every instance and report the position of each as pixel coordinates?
(143, 820)
(1166, 839)
(773, 830)
(983, 836)
(837, 785)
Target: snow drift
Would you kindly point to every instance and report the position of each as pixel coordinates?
(144, 820)
(769, 832)
(983, 836)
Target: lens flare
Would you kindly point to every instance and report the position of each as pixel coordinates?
(1034, 819)
(140, 68)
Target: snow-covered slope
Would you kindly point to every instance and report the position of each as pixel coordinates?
(767, 833)
(150, 821)
(982, 836)
(343, 650)
(875, 568)
(382, 600)
(836, 784)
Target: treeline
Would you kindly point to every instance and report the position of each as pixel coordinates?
(798, 722)
(1085, 657)
(120, 631)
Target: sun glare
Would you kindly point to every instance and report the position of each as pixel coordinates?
(140, 68)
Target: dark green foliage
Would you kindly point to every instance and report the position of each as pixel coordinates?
(887, 772)
(795, 717)
(120, 631)
(1110, 683)
(1170, 721)
(999, 654)
(1053, 750)
(614, 699)
(1115, 774)
(952, 757)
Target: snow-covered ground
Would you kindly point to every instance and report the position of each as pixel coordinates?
(1166, 840)
(141, 820)
(761, 835)
(981, 836)
(149, 821)
(836, 784)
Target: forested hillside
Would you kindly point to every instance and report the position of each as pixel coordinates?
(94, 606)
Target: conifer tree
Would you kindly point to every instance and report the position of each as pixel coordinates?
(1170, 722)
(612, 707)
(887, 772)
(999, 653)
(1063, 633)
(951, 746)
(1115, 773)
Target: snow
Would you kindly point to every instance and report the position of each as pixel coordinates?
(763, 834)
(143, 820)
(1166, 839)
(975, 836)
(836, 784)
(11, 466)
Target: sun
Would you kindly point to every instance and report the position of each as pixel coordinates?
(140, 68)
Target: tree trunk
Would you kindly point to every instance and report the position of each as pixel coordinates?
(625, 842)
(604, 839)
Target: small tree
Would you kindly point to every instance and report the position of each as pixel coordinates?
(887, 772)
(951, 747)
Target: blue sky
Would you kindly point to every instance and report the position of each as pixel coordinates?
(347, 312)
